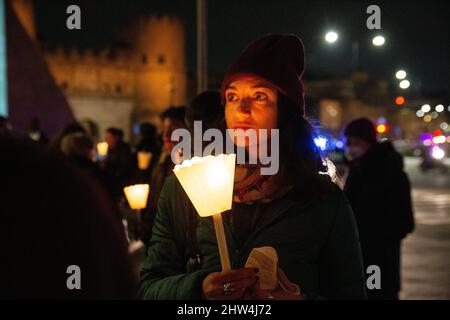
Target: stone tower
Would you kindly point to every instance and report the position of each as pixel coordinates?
(160, 72)
(25, 13)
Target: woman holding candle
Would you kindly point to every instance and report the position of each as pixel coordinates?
(298, 211)
(171, 119)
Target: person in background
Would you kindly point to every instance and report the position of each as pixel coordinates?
(36, 134)
(379, 192)
(148, 143)
(118, 162)
(207, 108)
(68, 129)
(79, 150)
(54, 220)
(171, 119)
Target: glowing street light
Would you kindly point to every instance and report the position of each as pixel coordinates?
(378, 41)
(399, 100)
(382, 128)
(420, 113)
(404, 84)
(437, 153)
(426, 108)
(331, 37)
(439, 108)
(400, 74)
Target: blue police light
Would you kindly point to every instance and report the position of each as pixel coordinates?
(321, 142)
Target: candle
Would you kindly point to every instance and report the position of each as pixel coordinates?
(102, 149)
(208, 182)
(144, 159)
(137, 195)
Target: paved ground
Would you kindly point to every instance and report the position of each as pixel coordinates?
(426, 252)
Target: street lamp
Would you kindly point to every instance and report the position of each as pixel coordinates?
(404, 84)
(378, 41)
(400, 74)
(331, 37)
(426, 108)
(439, 108)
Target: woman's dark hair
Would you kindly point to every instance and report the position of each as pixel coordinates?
(299, 155)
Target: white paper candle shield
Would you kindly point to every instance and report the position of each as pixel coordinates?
(208, 182)
(144, 159)
(102, 148)
(137, 195)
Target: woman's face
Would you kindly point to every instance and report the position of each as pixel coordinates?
(168, 126)
(251, 103)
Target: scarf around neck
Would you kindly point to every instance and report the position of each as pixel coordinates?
(250, 186)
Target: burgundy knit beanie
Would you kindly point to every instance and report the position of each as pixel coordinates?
(278, 59)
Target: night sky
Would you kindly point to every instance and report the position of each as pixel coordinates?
(417, 33)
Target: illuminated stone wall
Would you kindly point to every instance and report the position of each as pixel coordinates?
(25, 14)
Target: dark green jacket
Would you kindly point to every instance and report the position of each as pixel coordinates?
(317, 245)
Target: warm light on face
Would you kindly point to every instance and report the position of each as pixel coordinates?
(137, 195)
(168, 126)
(251, 103)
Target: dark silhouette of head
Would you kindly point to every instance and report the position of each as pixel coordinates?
(52, 217)
(361, 128)
(113, 137)
(207, 108)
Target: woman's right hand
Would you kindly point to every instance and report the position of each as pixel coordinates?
(239, 280)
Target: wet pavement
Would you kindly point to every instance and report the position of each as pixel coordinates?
(426, 252)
